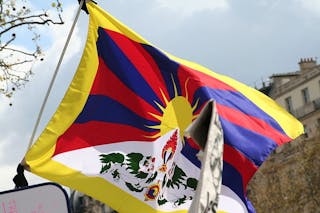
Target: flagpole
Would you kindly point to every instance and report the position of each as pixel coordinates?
(55, 74)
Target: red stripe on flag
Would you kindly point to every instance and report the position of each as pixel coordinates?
(96, 133)
(106, 83)
(243, 165)
(197, 80)
(142, 61)
(252, 123)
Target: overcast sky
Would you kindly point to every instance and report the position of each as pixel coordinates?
(248, 40)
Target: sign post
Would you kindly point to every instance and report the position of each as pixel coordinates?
(207, 132)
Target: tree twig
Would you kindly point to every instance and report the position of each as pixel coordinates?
(32, 23)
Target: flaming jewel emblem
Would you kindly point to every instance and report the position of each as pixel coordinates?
(168, 151)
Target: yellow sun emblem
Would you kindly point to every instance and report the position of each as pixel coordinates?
(177, 113)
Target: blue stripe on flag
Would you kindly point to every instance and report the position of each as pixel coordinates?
(168, 69)
(120, 65)
(102, 108)
(190, 153)
(232, 179)
(236, 101)
(254, 146)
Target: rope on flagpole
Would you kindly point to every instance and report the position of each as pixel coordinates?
(55, 74)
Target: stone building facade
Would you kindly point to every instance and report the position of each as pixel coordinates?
(289, 181)
(299, 93)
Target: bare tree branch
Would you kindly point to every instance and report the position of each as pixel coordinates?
(19, 51)
(16, 62)
(8, 42)
(1, 7)
(23, 18)
(46, 21)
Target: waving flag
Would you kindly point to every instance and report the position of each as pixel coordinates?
(118, 133)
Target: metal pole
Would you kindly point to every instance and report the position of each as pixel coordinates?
(55, 75)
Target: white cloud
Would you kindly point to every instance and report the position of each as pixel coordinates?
(188, 7)
(268, 3)
(58, 35)
(13, 145)
(312, 6)
(17, 122)
(7, 173)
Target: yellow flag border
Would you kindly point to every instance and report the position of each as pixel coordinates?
(262, 101)
(38, 158)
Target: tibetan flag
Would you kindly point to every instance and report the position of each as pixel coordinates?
(118, 134)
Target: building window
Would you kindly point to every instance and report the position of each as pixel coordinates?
(289, 104)
(305, 95)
